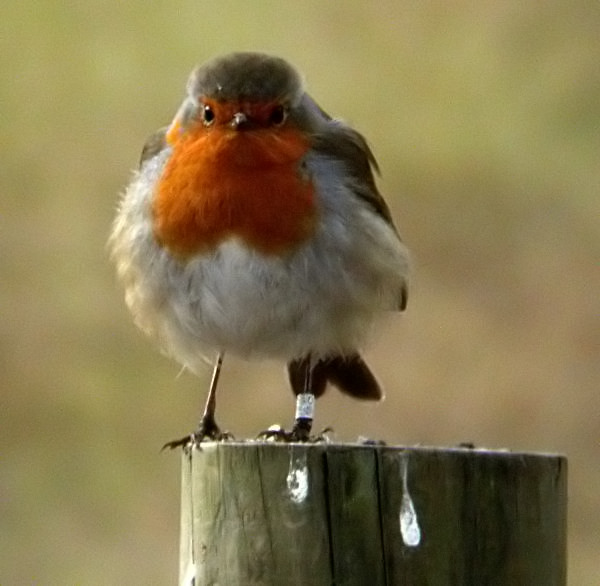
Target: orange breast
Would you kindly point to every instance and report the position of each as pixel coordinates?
(220, 183)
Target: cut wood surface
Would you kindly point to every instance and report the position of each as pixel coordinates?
(262, 513)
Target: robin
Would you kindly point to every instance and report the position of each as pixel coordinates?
(254, 227)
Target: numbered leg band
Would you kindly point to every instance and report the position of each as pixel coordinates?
(305, 406)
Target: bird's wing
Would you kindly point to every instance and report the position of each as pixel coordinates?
(336, 140)
(155, 143)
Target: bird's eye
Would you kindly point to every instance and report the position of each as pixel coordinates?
(208, 115)
(278, 115)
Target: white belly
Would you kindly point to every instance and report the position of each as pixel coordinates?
(322, 298)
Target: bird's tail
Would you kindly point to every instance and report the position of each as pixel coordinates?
(348, 373)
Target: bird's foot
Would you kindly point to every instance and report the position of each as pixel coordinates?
(276, 433)
(365, 441)
(208, 431)
(299, 433)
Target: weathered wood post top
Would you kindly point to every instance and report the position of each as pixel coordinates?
(264, 513)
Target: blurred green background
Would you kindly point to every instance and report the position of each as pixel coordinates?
(485, 118)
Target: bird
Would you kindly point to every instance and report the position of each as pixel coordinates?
(254, 227)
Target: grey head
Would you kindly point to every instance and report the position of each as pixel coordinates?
(247, 77)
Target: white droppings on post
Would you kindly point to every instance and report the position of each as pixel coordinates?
(297, 477)
(409, 522)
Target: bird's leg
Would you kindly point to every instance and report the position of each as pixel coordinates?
(305, 407)
(207, 428)
(307, 382)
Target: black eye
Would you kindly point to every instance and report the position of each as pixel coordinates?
(278, 115)
(208, 116)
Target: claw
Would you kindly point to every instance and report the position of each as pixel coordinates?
(297, 434)
(180, 443)
(208, 430)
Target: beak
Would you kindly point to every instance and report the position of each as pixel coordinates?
(239, 120)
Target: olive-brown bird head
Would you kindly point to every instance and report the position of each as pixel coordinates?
(245, 91)
(238, 141)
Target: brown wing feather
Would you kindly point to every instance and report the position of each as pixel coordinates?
(155, 143)
(338, 141)
(345, 144)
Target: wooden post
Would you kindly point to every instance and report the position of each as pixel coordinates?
(260, 513)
